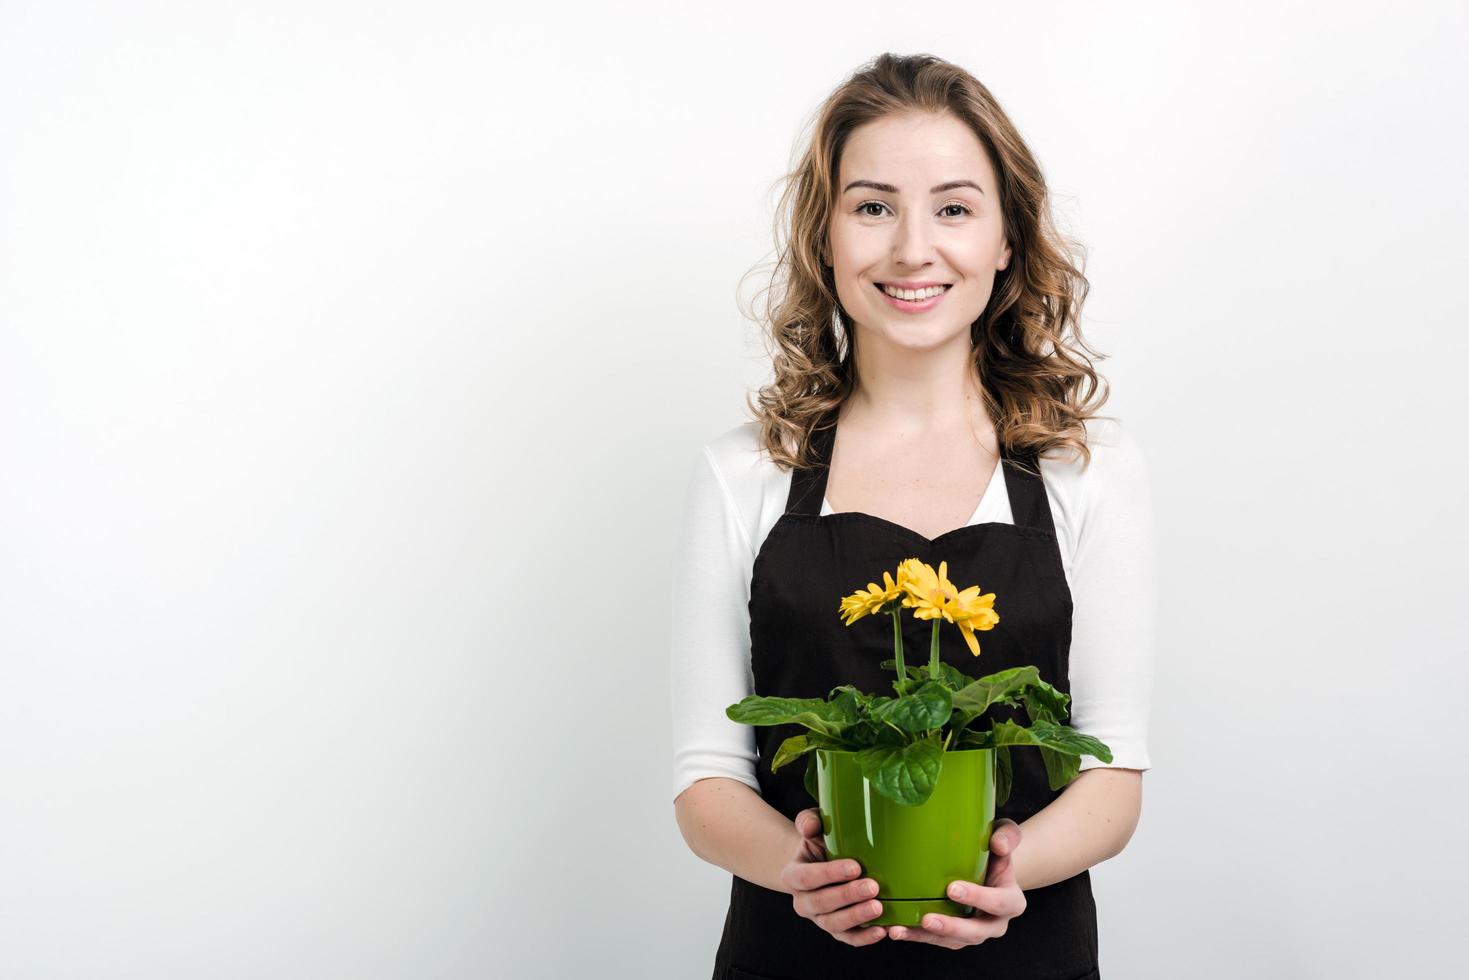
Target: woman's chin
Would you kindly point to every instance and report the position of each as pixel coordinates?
(920, 337)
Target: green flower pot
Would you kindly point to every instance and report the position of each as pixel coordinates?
(912, 852)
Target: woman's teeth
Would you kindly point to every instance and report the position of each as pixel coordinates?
(914, 294)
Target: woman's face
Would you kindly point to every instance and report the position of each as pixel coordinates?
(917, 203)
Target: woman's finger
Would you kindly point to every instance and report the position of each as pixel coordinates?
(1004, 834)
(809, 875)
(915, 934)
(952, 931)
(955, 930)
(813, 844)
(851, 917)
(833, 897)
(862, 937)
(1002, 900)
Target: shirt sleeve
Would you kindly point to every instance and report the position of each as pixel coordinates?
(1114, 606)
(709, 667)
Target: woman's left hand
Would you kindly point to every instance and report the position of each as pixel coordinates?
(995, 902)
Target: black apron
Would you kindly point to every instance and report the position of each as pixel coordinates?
(799, 647)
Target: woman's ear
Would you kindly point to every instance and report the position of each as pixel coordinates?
(1005, 258)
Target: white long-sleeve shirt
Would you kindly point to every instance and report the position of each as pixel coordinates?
(1104, 523)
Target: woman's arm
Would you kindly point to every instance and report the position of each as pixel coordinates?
(728, 824)
(1091, 821)
(1114, 590)
(1113, 580)
(709, 660)
(717, 803)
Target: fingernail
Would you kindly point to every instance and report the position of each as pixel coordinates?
(853, 870)
(933, 924)
(956, 890)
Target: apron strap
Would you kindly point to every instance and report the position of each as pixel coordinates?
(1028, 504)
(808, 485)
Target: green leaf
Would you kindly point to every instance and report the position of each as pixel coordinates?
(928, 707)
(905, 774)
(790, 750)
(868, 733)
(1059, 738)
(904, 685)
(846, 703)
(970, 738)
(810, 780)
(1061, 768)
(975, 699)
(1013, 687)
(827, 717)
(1044, 703)
(951, 677)
(849, 694)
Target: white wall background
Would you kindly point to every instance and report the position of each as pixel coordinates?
(353, 357)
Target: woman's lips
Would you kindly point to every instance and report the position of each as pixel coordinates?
(915, 306)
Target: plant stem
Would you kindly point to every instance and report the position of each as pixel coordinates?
(933, 653)
(898, 652)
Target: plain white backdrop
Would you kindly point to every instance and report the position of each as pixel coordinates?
(353, 358)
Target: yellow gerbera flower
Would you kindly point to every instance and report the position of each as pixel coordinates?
(972, 611)
(931, 595)
(875, 599)
(927, 592)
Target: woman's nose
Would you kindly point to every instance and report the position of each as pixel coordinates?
(913, 243)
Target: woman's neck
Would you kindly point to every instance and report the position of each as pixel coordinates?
(918, 397)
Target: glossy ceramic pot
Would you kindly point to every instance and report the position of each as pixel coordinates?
(912, 852)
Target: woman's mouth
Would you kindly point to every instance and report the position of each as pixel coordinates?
(922, 299)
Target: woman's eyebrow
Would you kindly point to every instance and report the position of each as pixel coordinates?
(890, 189)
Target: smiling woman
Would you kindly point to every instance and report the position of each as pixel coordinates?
(915, 176)
(930, 377)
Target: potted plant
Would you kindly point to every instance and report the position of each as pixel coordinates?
(908, 785)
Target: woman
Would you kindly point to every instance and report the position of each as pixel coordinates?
(930, 399)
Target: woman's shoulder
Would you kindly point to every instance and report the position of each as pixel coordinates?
(735, 445)
(1116, 475)
(739, 457)
(1115, 452)
(753, 486)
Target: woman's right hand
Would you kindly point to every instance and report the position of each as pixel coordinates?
(829, 893)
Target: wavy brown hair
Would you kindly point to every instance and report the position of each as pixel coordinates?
(1036, 378)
